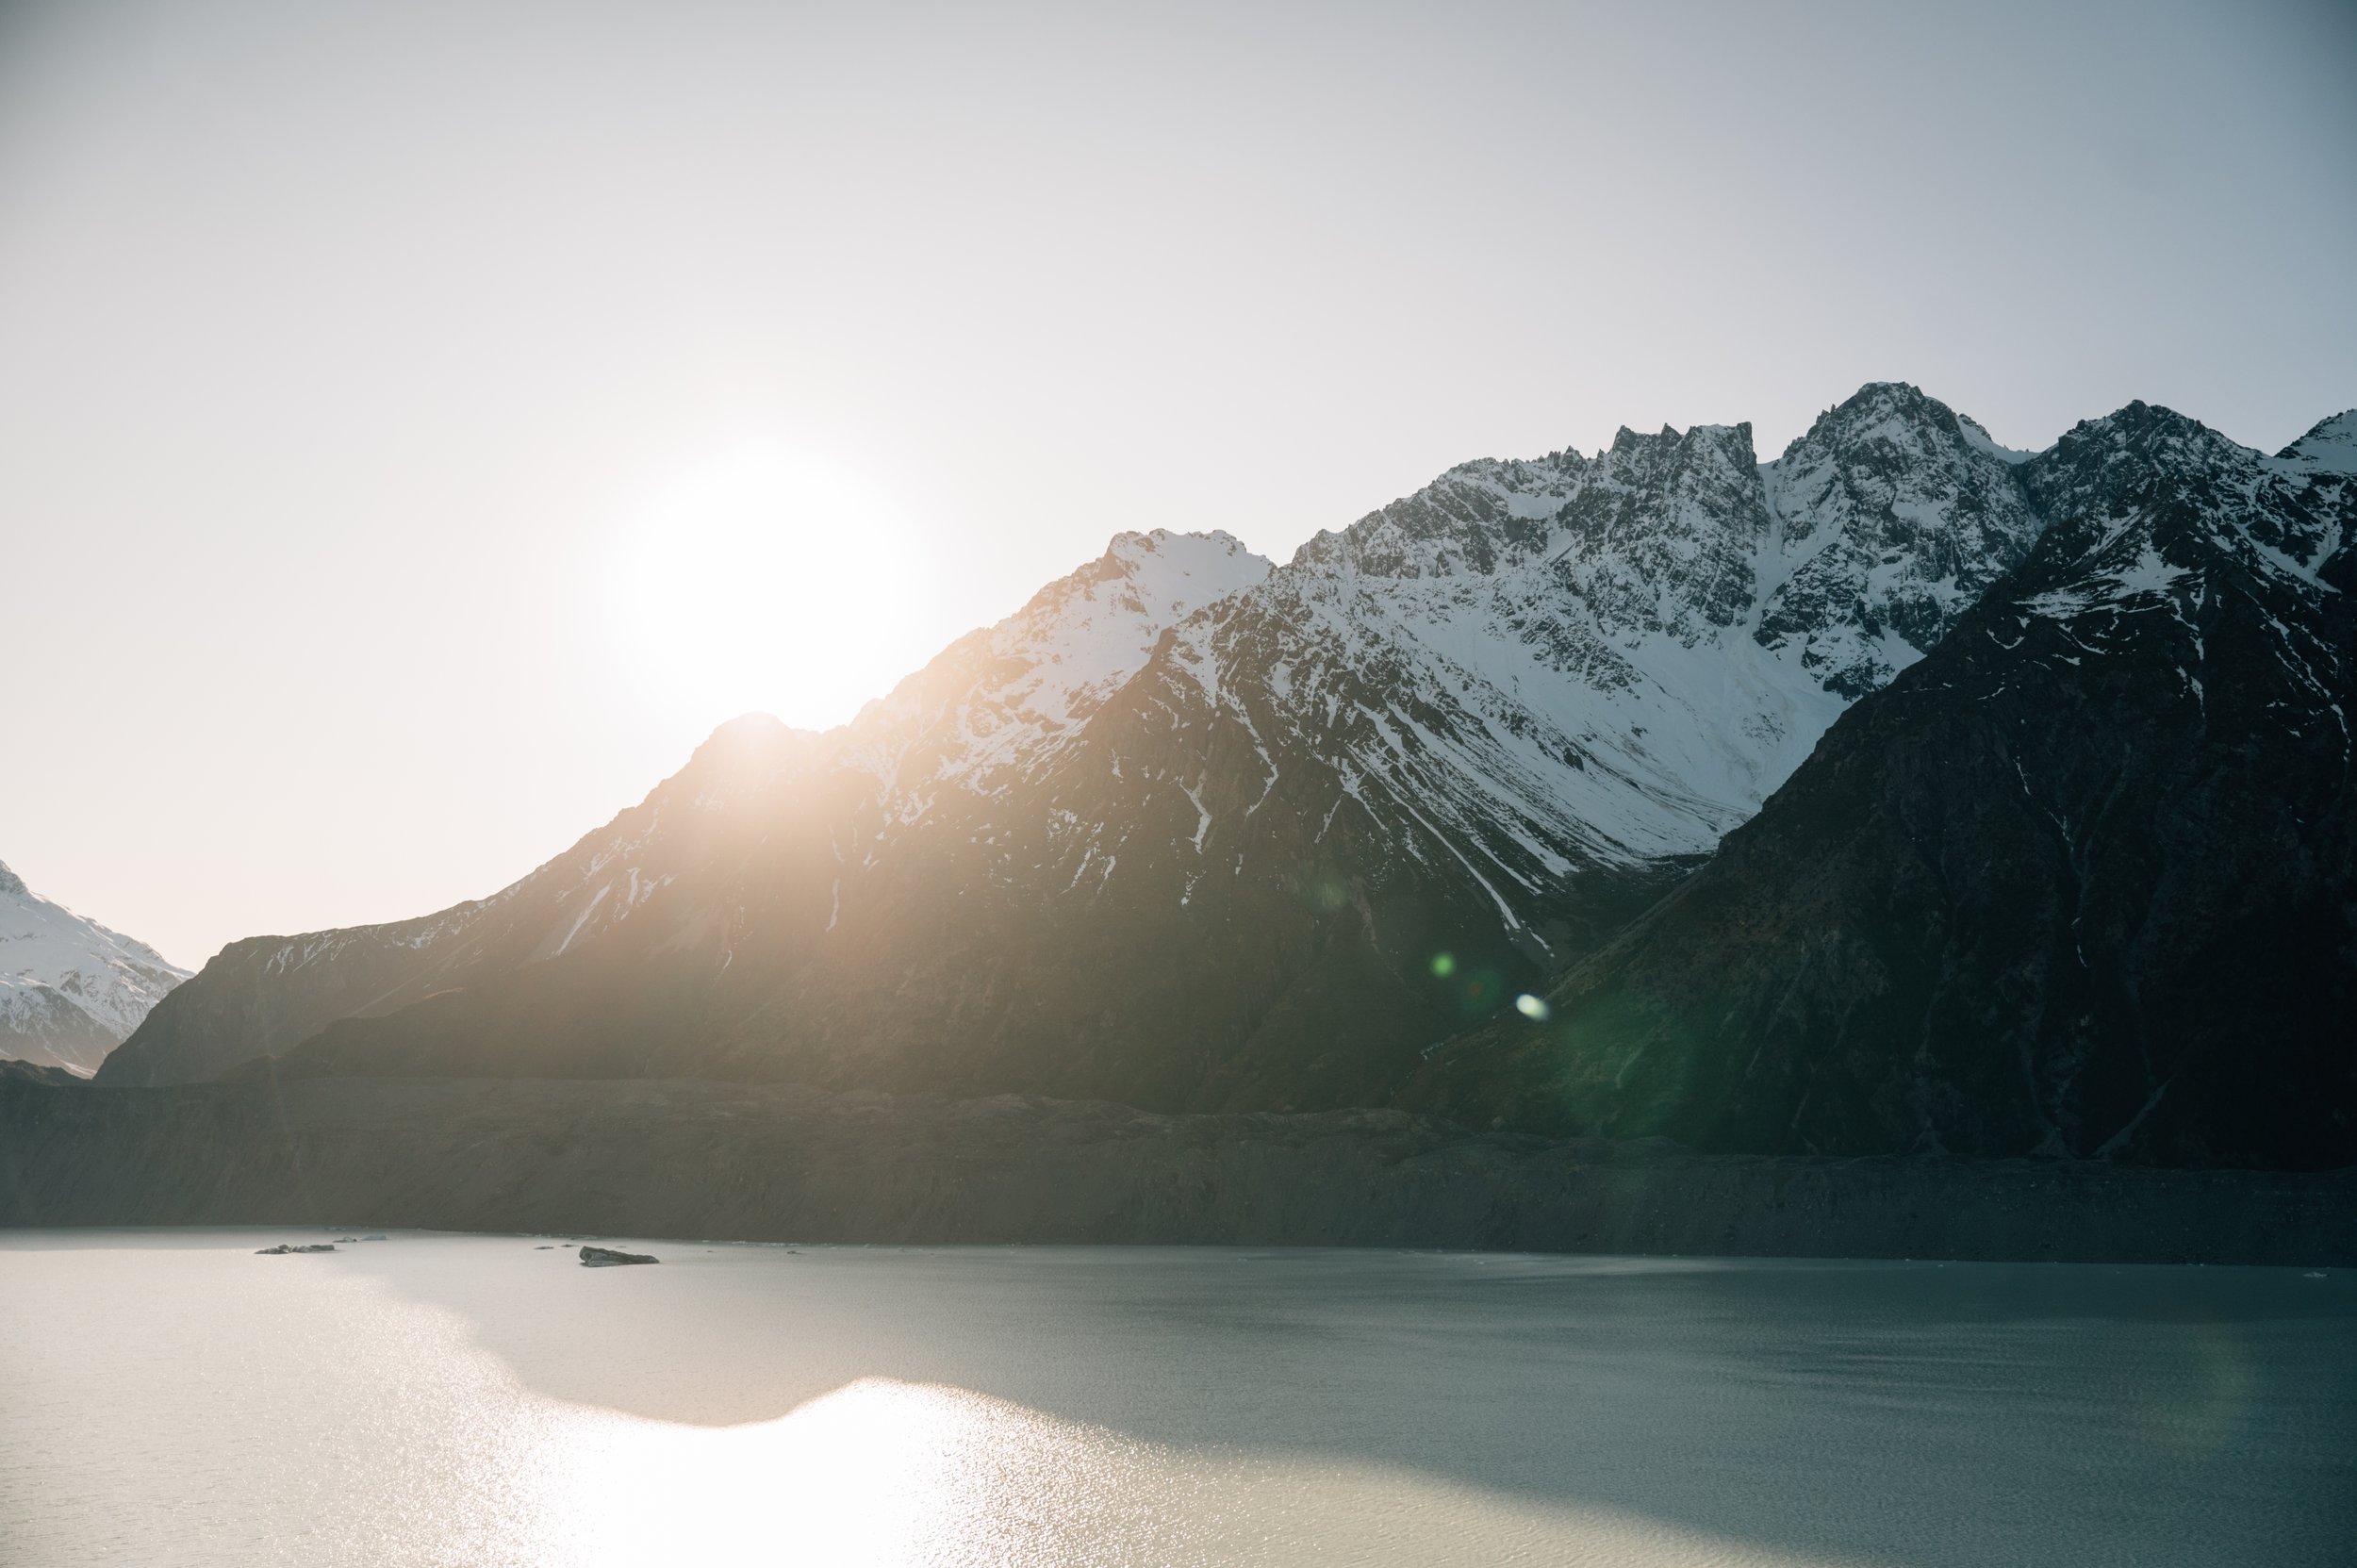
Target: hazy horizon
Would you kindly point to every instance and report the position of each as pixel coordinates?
(422, 428)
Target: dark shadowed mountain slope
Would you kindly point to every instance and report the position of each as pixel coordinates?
(2082, 882)
(1192, 833)
(752, 835)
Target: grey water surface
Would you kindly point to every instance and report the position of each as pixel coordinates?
(171, 1397)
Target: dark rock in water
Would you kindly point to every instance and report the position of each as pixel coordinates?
(545, 1247)
(602, 1257)
(283, 1248)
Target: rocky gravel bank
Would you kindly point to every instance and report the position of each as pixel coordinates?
(781, 1163)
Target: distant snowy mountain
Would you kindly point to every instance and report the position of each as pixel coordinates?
(69, 989)
(1189, 831)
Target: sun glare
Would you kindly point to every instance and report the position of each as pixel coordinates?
(765, 580)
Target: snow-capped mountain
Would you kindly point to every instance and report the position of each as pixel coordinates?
(1189, 831)
(1538, 669)
(1488, 722)
(69, 989)
(2078, 883)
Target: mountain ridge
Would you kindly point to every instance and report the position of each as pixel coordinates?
(1655, 540)
(1238, 836)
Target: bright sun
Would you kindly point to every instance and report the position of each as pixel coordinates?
(766, 581)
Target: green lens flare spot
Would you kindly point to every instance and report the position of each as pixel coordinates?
(1444, 964)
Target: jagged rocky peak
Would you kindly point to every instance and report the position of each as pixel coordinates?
(1644, 502)
(10, 881)
(2138, 460)
(1893, 514)
(1661, 540)
(1469, 522)
(1633, 647)
(1669, 449)
(1852, 554)
(2158, 443)
(2146, 494)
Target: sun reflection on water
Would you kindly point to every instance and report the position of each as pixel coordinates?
(882, 1473)
(876, 1472)
(320, 1417)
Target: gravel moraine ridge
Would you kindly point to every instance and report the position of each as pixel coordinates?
(776, 1163)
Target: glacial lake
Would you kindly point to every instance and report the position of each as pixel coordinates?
(171, 1397)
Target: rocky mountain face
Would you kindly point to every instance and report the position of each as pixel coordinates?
(69, 989)
(2080, 882)
(1190, 832)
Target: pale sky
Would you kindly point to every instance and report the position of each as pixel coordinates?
(420, 423)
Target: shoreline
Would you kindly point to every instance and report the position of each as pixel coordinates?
(240, 1233)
